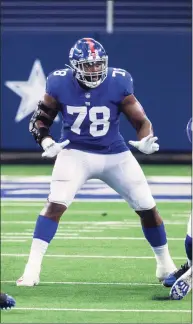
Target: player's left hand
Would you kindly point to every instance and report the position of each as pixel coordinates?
(51, 148)
(147, 144)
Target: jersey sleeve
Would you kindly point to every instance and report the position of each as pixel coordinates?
(123, 83)
(52, 85)
(128, 84)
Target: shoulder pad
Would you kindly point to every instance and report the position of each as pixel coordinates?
(55, 79)
(123, 80)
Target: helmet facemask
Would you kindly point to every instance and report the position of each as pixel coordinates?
(91, 72)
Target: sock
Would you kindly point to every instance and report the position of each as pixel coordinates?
(163, 257)
(37, 252)
(188, 247)
(156, 236)
(45, 229)
(44, 232)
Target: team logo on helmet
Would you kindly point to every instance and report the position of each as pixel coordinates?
(89, 61)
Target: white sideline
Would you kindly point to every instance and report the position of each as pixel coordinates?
(105, 310)
(86, 256)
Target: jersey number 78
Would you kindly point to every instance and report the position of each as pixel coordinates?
(95, 122)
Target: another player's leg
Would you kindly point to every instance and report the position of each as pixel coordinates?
(68, 176)
(171, 279)
(127, 178)
(6, 301)
(188, 242)
(182, 286)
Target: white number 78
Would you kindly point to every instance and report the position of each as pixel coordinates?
(82, 112)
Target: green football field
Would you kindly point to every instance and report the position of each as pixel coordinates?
(99, 268)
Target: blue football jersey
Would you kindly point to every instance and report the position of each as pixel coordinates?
(90, 117)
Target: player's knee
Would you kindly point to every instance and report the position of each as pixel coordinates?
(140, 201)
(150, 217)
(53, 211)
(147, 212)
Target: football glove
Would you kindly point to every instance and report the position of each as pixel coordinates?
(51, 148)
(146, 145)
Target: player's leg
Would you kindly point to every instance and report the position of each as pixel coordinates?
(171, 279)
(125, 176)
(70, 172)
(188, 242)
(6, 301)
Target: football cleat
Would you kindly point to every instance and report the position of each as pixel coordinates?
(182, 286)
(163, 272)
(6, 301)
(173, 276)
(28, 281)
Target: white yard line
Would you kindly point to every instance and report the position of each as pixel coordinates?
(86, 256)
(12, 240)
(63, 237)
(104, 223)
(91, 283)
(92, 212)
(105, 310)
(3, 234)
(125, 210)
(185, 215)
(79, 212)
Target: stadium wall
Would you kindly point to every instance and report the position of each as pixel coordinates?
(160, 64)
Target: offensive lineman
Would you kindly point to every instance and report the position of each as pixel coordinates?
(90, 97)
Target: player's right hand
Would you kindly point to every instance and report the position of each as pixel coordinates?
(51, 148)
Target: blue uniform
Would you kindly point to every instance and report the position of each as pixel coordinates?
(91, 116)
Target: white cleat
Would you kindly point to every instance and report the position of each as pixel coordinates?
(182, 286)
(28, 281)
(163, 272)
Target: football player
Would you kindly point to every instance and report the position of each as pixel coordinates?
(181, 280)
(91, 96)
(6, 301)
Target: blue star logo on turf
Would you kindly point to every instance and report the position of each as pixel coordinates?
(31, 91)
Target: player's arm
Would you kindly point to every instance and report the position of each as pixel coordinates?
(43, 118)
(40, 124)
(134, 112)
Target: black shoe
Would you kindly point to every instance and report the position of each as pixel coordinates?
(6, 301)
(171, 279)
